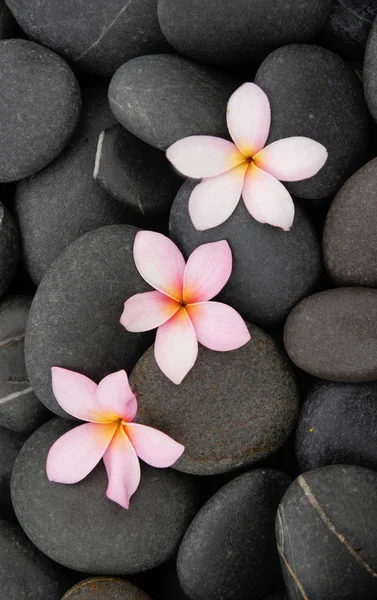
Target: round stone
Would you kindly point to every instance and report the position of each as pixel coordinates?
(9, 249)
(7, 22)
(94, 36)
(272, 269)
(25, 574)
(337, 425)
(10, 445)
(63, 201)
(231, 410)
(229, 550)
(326, 532)
(74, 320)
(105, 588)
(77, 526)
(314, 93)
(182, 98)
(20, 409)
(135, 173)
(242, 31)
(41, 104)
(333, 335)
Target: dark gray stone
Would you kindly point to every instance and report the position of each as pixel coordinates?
(63, 201)
(9, 249)
(25, 574)
(20, 409)
(74, 320)
(241, 31)
(349, 237)
(10, 445)
(370, 71)
(105, 588)
(135, 173)
(272, 269)
(94, 36)
(7, 21)
(337, 425)
(77, 526)
(333, 335)
(231, 410)
(314, 93)
(164, 98)
(326, 531)
(229, 550)
(41, 104)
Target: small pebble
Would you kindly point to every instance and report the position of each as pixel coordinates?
(105, 588)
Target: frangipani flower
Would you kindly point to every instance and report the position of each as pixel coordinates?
(109, 407)
(245, 167)
(180, 306)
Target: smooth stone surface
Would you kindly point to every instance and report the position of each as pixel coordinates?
(9, 249)
(74, 320)
(77, 526)
(41, 104)
(20, 409)
(370, 72)
(338, 425)
(25, 574)
(333, 335)
(7, 21)
(347, 28)
(229, 550)
(272, 269)
(314, 93)
(10, 445)
(134, 173)
(63, 201)
(94, 36)
(231, 410)
(105, 588)
(181, 98)
(326, 531)
(241, 31)
(349, 237)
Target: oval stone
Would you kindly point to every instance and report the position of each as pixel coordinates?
(326, 531)
(333, 334)
(231, 410)
(10, 445)
(74, 320)
(20, 409)
(25, 574)
(63, 201)
(229, 550)
(314, 93)
(272, 269)
(337, 425)
(349, 237)
(242, 31)
(9, 249)
(77, 526)
(41, 104)
(94, 36)
(159, 113)
(105, 588)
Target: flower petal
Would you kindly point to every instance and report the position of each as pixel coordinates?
(204, 156)
(159, 262)
(267, 200)
(154, 447)
(214, 199)
(77, 452)
(249, 118)
(143, 312)
(218, 326)
(123, 469)
(207, 271)
(116, 398)
(292, 159)
(176, 347)
(76, 394)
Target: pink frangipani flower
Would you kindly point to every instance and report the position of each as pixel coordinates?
(109, 407)
(180, 306)
(246, 167)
